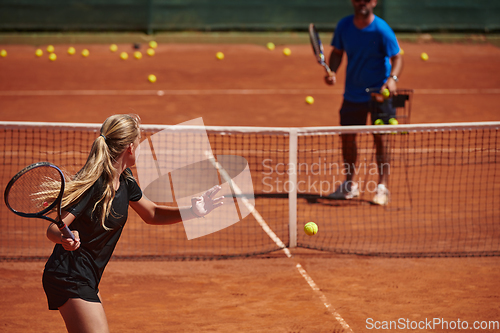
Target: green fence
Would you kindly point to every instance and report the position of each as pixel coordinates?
(247, 15)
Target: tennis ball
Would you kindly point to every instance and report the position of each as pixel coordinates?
(270, 46)
(45, 204)
(152, 78)
(379, 122)
(39, 52)
(3, 53)
(137, 55)
(424, 56)
(50, 48)
(219, 55)
(85, 53)
(71, 50)
(52, 57)
(393, 121)
(386, 93)
(309, 100)
(311, 228)
(124, 55)
(153, 44)
(113, 48)
(150, 52)
(287, 51)
(401, 51)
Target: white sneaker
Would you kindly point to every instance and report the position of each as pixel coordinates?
(347, 190)
(382, 196)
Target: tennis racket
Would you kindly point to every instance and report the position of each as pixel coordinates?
(37, 190)
(318, 47)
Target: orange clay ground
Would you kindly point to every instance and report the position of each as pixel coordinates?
(252, 86)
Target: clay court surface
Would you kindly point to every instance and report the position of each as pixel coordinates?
(252, 86)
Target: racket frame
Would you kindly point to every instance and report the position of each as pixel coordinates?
(60, 224)
(317, 47)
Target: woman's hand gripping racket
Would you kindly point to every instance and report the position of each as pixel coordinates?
(318, 48)
(37, 190)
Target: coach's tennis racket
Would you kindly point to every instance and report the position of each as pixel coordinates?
(318, 47)
(37, 190)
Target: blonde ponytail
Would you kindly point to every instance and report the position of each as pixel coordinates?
(117, 133)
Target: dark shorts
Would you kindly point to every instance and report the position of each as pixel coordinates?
(59, 290)
(352, 114)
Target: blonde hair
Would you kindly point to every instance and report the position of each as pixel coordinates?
(117, 133)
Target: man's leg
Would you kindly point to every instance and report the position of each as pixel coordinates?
(382, 152)
(350, 154)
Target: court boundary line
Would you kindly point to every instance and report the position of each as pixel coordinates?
(190, 92)
(278, 241)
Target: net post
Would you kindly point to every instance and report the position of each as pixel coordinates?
(292, 192)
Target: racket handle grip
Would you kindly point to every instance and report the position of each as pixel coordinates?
(66, 232)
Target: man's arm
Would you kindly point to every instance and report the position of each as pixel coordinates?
(397, 68)
(334, 63)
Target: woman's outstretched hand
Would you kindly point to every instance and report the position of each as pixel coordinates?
(203, 205)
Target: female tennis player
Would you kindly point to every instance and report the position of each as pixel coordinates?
(95, 206)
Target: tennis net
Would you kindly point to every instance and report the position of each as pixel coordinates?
(444, 181)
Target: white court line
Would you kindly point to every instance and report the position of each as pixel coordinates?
(228, 92)
(278, 241)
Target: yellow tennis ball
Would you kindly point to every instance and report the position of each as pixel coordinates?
(153, 44)
(386, 93)
(219, 55)
(311, 228)
(287, 51)
(71, 50)
(393, 121)
(401, 51)
(85, 53)
(424, 56)
(124, 55)
(50, 48)
(113, 48)
(379, 122)
(271, 46)
(52, 57)
(150, 52)
(137, 55)
(309, 100)
(3, 53)
(39, 52)
(152, 78)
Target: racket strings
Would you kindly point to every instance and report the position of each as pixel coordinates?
(35, 190)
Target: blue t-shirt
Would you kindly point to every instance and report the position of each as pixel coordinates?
(368, 53)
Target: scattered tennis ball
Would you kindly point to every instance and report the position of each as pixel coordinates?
(137, 55)
(150, 52)
(50, 48)
(311, 228)
(386, 93)
(379, 122)
(85, 53)
(401, 51)
(39, 52)
(153, 44)
(45, 204)
(287, 51)
(219, 55)
(124, 55)
(424, 56)
(113, 48)
(152, 78)
(309, 100)
(71, 50)
(270, 46)
(3, 53)
(52, 57)
(393, 121)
